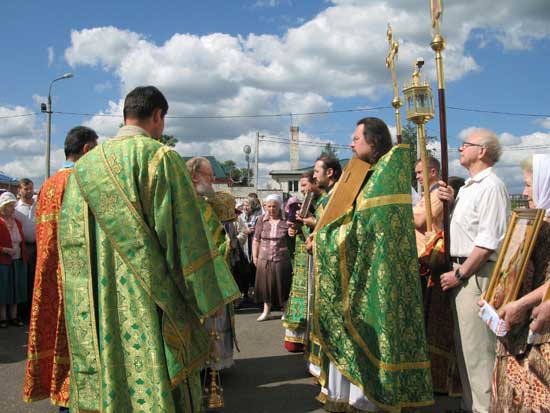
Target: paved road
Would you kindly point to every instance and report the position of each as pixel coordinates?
(264, 379)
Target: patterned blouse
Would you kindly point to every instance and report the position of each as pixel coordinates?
(273, 239)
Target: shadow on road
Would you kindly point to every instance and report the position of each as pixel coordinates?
(269, 385)
(13, 344)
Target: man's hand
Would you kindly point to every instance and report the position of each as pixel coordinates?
(310, 220)
(309, 244)
(541, 318)
(428, 236)
(292, 230)
(445, 192)
(513, 314)
(448, 280)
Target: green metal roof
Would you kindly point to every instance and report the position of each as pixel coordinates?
(217, 168)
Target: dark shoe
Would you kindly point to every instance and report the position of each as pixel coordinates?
(3, 324)
(16, 322)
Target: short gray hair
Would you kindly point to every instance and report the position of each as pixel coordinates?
(491, 143)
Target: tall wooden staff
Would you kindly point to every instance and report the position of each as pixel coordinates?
(438, 44)
(390, 63)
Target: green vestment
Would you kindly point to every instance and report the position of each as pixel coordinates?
(314, 351)
(368, 308)
(296, 308)
(139, 273)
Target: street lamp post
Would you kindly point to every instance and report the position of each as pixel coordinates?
(49, 112)
(247, 150)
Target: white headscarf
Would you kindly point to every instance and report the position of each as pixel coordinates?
(541, 182)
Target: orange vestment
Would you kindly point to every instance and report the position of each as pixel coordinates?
(48, 364)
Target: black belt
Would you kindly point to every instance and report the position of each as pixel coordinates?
(459, 260)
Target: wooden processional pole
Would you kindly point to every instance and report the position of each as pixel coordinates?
(438, 45)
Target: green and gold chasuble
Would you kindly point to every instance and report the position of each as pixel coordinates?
(368, 301)
(139, 273)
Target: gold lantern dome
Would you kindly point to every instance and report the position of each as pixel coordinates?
(419, 100)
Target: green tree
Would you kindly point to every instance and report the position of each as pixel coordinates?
(409, 136)
(238, 176)
(330, 151)
(168, 140)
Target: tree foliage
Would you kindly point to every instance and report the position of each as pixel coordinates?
(329, 151)
(409, 136)
(237, 176)
(168, 140)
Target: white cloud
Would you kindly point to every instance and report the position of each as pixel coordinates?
(22, 145)
(16, 123)
(338, 53)
(102, 87)
(544, 122)
(39, 99)
(51, 56)
(107, 122)
(515, 149)
(105, 45)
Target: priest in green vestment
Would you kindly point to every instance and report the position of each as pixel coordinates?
(368, 302)
(140, 271)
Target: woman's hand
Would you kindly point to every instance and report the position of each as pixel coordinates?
(8, 251)
(541, 318)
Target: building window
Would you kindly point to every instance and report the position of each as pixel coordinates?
(292, 186)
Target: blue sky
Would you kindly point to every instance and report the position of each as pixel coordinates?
(221, 58)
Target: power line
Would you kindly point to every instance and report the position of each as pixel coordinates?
(272, 115)
(494, 112)
(19, 116)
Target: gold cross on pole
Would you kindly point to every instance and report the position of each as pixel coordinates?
(390, 64)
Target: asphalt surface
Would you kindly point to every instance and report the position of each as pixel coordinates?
(265, 377)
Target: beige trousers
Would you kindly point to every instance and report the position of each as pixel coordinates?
(474, 342)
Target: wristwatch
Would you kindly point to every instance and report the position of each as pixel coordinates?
(459, 276)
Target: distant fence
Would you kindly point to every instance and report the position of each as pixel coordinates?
(519, 201)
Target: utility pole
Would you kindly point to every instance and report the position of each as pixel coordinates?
(294, 149)
(256, 158)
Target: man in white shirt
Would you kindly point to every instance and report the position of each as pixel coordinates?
(25, 212)
(478, 226)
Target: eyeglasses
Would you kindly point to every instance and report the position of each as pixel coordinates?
(466, 144)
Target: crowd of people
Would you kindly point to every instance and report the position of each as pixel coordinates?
(138, 266)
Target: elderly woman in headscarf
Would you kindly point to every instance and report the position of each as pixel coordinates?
(522, 371)
(272, 257)
(13, 270)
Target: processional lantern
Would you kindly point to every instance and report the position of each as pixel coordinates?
(419, 106)
(419, 99)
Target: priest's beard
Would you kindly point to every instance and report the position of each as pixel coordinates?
(204, 189)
